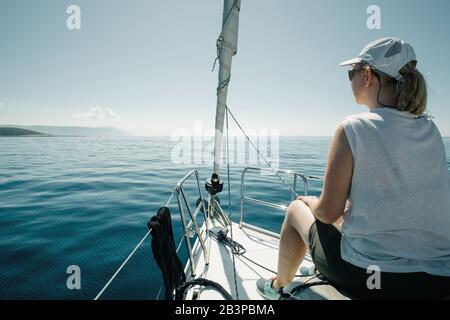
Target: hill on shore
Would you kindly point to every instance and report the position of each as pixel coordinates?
(73, 131)
(19, 132)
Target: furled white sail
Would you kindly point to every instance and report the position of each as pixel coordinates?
(227, 48)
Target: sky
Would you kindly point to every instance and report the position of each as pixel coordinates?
(144, 66)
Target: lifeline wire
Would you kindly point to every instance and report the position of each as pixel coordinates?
(229, 207)
(128, 258)
(259, 153)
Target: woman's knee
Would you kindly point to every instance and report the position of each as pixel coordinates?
(300, 217)
(297, 209)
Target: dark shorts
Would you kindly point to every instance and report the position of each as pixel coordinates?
(325, 247)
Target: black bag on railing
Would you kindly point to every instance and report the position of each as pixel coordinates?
(164, 251)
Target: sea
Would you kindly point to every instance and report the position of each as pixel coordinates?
(83, 203)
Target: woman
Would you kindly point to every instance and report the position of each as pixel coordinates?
(388, 165)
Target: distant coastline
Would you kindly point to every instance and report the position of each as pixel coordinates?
(19, 132)
(59, 131)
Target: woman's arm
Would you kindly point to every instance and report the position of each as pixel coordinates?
(338, 177)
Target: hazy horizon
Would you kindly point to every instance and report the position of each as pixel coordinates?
(129, 134)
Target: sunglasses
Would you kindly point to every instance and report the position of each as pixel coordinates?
(352, 73)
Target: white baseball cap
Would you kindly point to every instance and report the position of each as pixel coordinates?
(387, 55)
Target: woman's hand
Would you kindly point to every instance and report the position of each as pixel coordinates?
(308, 200)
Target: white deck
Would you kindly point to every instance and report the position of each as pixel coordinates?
(261, 248)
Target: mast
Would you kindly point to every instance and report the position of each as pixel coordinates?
(227, 48)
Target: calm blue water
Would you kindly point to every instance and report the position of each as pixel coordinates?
(86, 202)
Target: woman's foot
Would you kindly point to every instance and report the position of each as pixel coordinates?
(265, 288)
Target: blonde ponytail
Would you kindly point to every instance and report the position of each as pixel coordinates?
(412, 90)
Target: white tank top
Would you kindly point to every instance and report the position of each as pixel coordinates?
(399, 218)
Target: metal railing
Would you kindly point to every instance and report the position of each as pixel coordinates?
(190, 229)
(245, 198)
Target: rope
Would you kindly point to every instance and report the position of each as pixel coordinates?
(235, 247)
(239, 250)
(224, 83)
(307, 284)
(259, 153)
(129, 257)
(218, 46)
(204, 283)
(220, 39)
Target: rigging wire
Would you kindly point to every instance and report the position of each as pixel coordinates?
(259, 154)
(229, 206)
(129, 256)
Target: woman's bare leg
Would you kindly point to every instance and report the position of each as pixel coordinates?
(294, 240)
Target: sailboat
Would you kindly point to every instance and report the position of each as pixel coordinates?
(232, 254)
(227, 257)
